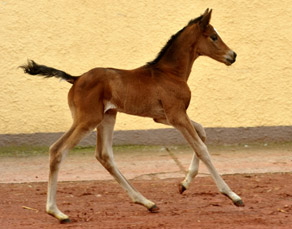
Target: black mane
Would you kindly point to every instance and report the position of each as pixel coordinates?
(171, 40)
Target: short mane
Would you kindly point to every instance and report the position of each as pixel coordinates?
(171, 40)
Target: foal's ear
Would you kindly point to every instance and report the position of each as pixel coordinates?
(205, 19)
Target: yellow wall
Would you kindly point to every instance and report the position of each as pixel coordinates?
(76, 36)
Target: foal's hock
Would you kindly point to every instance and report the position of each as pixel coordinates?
(158, 90)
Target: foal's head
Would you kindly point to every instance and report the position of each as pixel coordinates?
(210, 44)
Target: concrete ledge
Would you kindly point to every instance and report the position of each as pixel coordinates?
(167, 136)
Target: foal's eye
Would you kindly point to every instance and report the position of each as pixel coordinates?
(214, 37)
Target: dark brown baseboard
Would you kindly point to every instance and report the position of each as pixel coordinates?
(167, 136)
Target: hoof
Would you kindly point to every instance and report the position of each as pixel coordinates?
(181, 188)
(64, 221)
(154, 209)
(238, 203)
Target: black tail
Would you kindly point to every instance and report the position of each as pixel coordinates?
(33, 68)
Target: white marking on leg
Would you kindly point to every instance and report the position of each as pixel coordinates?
(193, 171)
(220, 183)
(186, 128)
(51, 206)
(106, 158)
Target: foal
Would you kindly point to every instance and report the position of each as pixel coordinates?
(158, 90)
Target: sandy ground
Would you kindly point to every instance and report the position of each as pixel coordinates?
(260, 174)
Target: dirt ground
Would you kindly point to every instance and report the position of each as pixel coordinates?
(260, 174)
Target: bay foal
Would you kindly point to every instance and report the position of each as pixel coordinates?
(158, 90)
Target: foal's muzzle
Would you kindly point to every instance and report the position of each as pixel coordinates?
(230, 57)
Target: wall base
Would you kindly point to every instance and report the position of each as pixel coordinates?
(168, 136)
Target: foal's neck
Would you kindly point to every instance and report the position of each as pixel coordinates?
(179, 58)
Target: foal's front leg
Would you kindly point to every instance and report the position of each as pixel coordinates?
(104, 154)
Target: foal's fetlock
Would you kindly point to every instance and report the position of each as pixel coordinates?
(237, 201)
(59, 215)
(148, 204)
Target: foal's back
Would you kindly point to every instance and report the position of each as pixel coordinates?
(141, 91)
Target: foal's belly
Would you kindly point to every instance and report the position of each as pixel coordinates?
(151, 110)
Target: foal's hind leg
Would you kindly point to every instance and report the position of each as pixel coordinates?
(198, 127)
(181, 121)
(192, 173)
(104, 154)
(57, 153)
(194, 166)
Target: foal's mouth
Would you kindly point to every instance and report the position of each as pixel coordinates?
(229, 61)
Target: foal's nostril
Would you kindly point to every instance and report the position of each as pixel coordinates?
(230, 57)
